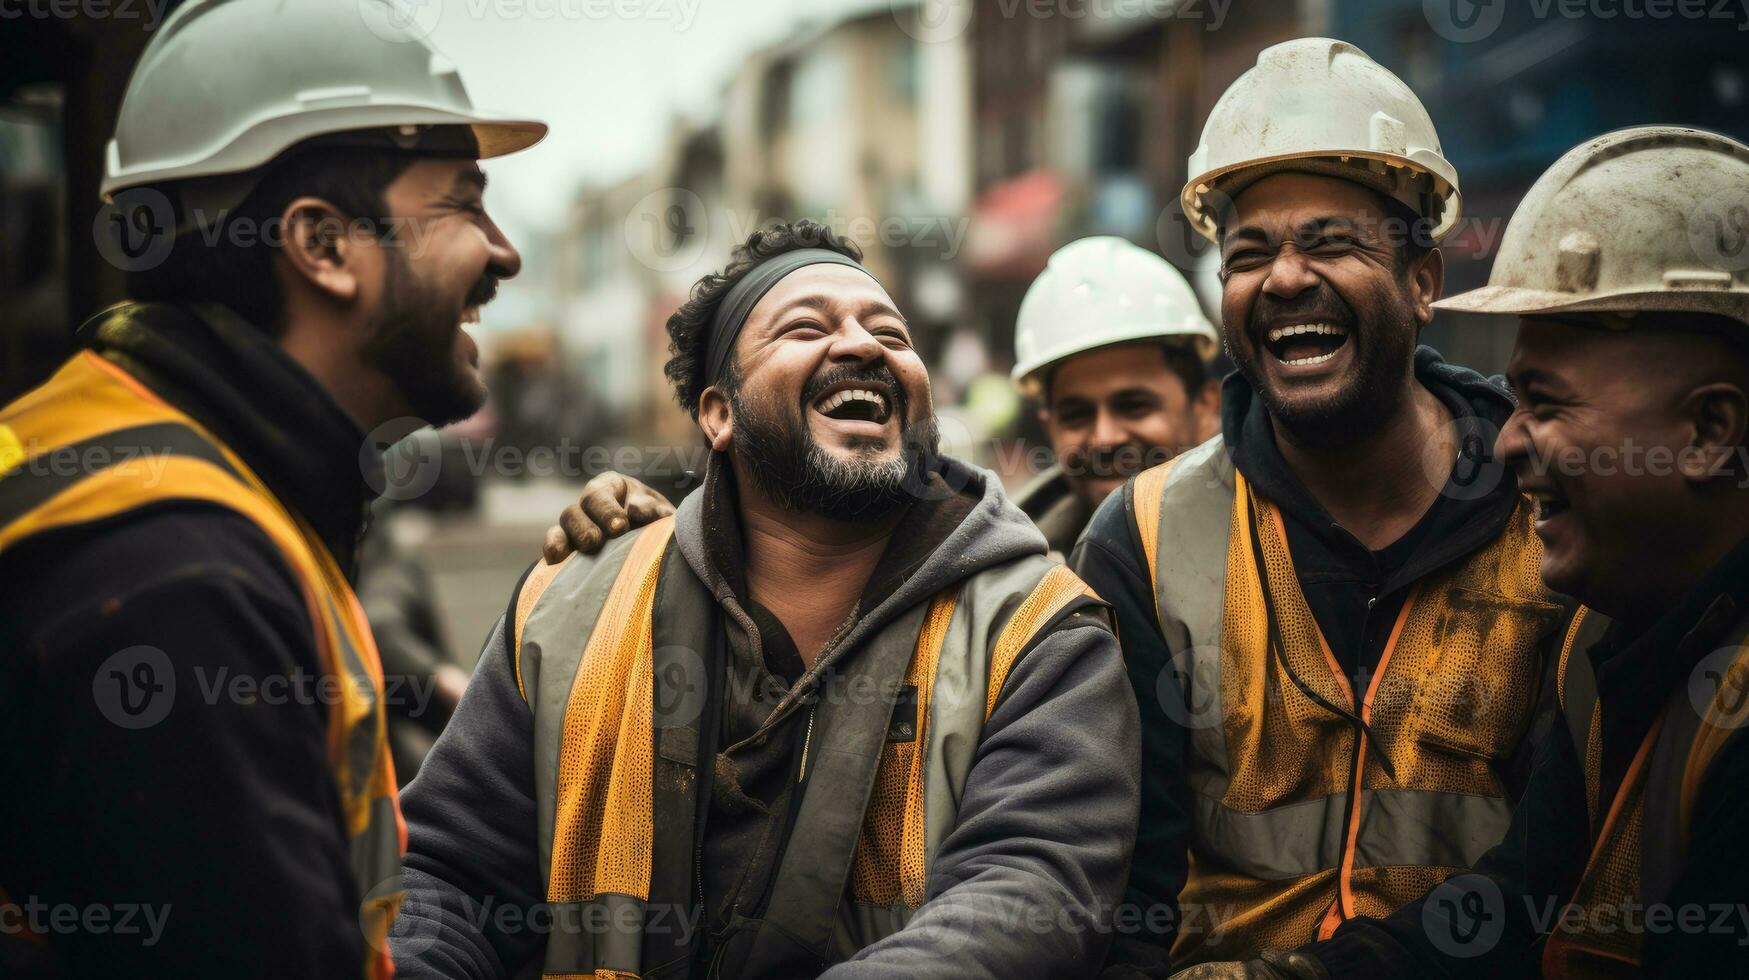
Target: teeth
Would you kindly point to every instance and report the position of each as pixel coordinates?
(1321, 358)
(852, 394)
(1292, 330)
(471, 315)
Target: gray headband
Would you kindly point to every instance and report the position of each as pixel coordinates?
(744, 295)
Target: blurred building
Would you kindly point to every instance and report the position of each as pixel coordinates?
(1083, 126)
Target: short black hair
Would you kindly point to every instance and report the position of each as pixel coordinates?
(689, 326)
(1181, 359)
(232, 262)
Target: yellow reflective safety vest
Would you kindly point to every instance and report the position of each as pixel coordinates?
(1640, 837)
(138, 451)
(1300, 820)
(614, 655)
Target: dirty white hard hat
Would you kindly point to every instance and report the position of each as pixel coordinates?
(1650, 218)
(227, 85)
(1102, 291)
(1317, 105)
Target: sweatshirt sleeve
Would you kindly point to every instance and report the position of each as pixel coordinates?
(1109, 558)
(1025, 883)
(474, 906)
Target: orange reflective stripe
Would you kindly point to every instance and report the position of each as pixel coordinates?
(602, 831)
(1056, 590)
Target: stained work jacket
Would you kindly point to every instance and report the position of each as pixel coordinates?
(1324, 737)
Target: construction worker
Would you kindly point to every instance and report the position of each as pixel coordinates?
(192, 707)
(1331, 613)
(839, 713)
(1626, 266)
(1111, 341)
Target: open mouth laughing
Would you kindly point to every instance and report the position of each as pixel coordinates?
(869, 403)
(1300, 345)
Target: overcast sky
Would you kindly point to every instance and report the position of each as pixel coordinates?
(607, 84)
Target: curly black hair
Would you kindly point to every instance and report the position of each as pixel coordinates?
(689, 327)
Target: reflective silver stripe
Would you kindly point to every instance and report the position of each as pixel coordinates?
(1285, 842)
(1427, 828)
(1422, 828)
(362, 744)
(1196, 519)
(376, 850)
(603, 934)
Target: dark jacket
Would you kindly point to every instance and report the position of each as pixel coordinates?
(1354, 595)
(224, 817)
(1534, 871)
(1045, 820)
(1056, 509)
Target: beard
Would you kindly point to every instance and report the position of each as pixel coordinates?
(412, 341)
(1384, 359)
(780, 453)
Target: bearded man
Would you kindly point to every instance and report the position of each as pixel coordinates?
(839, 713)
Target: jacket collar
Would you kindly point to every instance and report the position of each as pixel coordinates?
(1460, 520)
(232, 378)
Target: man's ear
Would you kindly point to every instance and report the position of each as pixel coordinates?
(319, 249)
(716, 418)
(1719, 413)
(1426, 284)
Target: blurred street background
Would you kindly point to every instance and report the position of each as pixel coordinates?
(959, 142)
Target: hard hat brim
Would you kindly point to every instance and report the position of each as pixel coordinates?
(1235, 178)
(258, 145)
(1522, 302)
(1026, 374)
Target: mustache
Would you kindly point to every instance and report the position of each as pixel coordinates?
(1123, 461)
(482, 292)
(1319, 305)
(859, 372)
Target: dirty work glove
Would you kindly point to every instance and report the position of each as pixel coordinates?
(611, 505)
(1270, 966)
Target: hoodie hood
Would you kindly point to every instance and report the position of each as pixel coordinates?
(993, 532)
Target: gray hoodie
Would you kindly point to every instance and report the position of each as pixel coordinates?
(1023, 885)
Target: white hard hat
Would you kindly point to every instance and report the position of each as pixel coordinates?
(227, 85)
(1321, 106)
(1102, 291)
(1650, 218)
